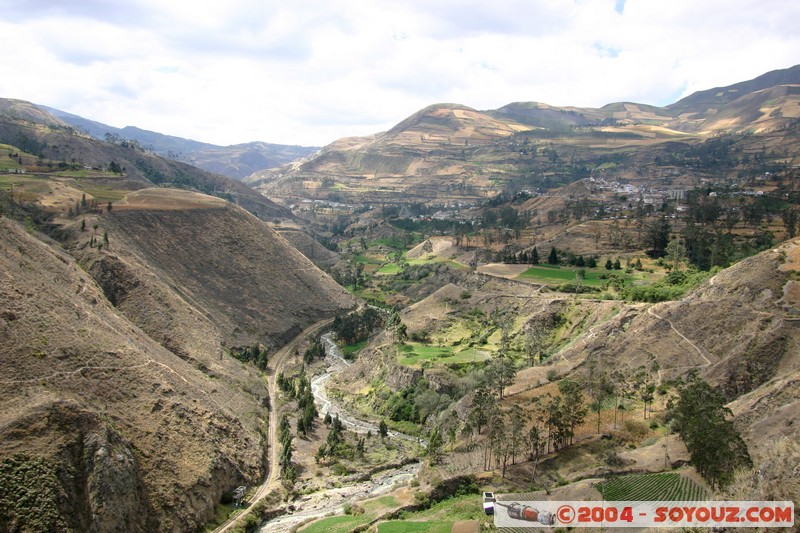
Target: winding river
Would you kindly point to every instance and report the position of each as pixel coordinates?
(331, 501)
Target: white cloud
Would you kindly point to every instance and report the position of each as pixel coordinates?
(308, 72)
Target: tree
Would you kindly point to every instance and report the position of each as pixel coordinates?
(285, 456)
(535, 336)
(716, 448)
(383, 429)
(497, 442)
(790, 222)
(574, 410)
(334, 439)
(552, 259)
(500, 372)
(536, 444)
(516, 436)
(676, 253)
(434, 448)
(482, 408)
(534, 256)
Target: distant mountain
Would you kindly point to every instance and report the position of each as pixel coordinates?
(236, 161)
(52, 144)
(452, 153)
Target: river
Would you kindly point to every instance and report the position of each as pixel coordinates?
(331, 501)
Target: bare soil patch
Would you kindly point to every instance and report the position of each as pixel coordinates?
(168, 200)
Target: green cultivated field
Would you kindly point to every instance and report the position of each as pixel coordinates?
(415, 527)
(439, 518)
(667, 486)
(389, 268)
(545, 274)
(336, 524)
(413, 354)
(353, 349)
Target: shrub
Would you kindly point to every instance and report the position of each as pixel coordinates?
(636, 430)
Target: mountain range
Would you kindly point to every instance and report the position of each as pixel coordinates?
(450, 152)
(143, 299)
(235, 161)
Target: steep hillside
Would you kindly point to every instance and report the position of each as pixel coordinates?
(102, 429)
(190, 268)
(720, 96)
(235, 161)
(125, 407)
(309, 247)
(450, 153)
(739, 330)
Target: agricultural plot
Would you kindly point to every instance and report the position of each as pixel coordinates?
(543, 274)
(336, 524)
(414, 354)
(389, 269)
(415, 527)
(667, 486)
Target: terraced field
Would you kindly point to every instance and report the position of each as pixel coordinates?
(667, 486)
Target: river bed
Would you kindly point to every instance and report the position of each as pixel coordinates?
(331, 501)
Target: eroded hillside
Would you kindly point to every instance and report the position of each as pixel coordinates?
(121, 386)
(125, 435)
(187, 267)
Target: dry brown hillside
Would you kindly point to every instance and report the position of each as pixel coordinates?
(123, 408)
(102, 429)
(198, 273)
(450, 153)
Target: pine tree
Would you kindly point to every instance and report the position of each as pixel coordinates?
(552, 259)
(535, 256)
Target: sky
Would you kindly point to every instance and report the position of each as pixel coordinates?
(309, 72)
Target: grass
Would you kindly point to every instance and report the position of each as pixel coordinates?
(221, 513)
(386, 501)
(415, 353)
(353, 349)
(405, 526)
(21, 182)
(106, 194)
(551, 274)
(440, 516)
(336, 524)
(389, 268)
